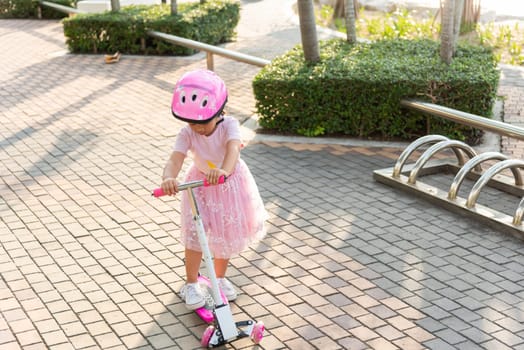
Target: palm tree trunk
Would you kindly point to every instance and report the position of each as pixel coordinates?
(457, 21)
(339, 9)
(350, 18)
(174, 7)
(471, 14)
(308, 30)
(115, 5)
(446, 31)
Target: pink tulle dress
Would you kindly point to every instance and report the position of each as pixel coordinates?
(233, 213)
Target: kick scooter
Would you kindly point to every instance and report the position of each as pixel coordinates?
(224, 329)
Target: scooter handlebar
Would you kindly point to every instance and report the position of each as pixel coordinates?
(158, 192)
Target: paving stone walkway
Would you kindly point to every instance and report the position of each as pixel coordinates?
(89, 260)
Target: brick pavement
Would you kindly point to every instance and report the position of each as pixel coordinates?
(88, 260)
(512, 90)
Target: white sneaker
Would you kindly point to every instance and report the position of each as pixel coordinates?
(227, 288)
(193, 296)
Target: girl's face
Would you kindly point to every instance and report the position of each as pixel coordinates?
(205, 129)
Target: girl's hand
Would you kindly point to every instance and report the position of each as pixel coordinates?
(214, 174)
(169, 186)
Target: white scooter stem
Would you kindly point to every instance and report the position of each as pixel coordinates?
(222, 312)
(202, 238)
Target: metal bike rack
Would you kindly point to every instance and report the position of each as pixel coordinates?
(409, 177)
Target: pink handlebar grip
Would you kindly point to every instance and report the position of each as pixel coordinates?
(158, 192)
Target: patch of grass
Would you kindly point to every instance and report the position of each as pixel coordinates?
(507, 40)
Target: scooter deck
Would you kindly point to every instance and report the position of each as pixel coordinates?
(206, 312)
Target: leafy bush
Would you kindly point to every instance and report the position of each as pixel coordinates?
(17, 9)
(29, 9)
(212, 22)
(356, 89)
(106, 32)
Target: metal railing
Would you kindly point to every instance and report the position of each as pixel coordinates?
(61, 8)
(177, 40)
(210, 50)
(468, 119)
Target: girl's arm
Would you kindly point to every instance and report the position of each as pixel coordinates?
(171, 170)
(229, 163)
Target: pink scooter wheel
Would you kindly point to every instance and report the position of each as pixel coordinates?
(258, 332)
(206, 337)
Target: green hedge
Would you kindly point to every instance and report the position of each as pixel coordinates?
(356, 89)
(213, 22)
(29, 9)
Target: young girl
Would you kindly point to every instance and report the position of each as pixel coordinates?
(233, 212)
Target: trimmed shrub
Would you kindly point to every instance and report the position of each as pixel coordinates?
(212, 22)
(17, 9)
(355, 90)
(29, 9)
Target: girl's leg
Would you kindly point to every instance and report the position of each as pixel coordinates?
(193, 259)
(192, 293)
(221, 267)
(226, 286)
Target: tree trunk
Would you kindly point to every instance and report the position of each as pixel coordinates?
(308, 30)
(457, 21)
(350, 18)
(339, 9)
(174, 7)
(470, 15)
(446, 31)
(115, 5)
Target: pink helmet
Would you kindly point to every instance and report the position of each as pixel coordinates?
(199, 96)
